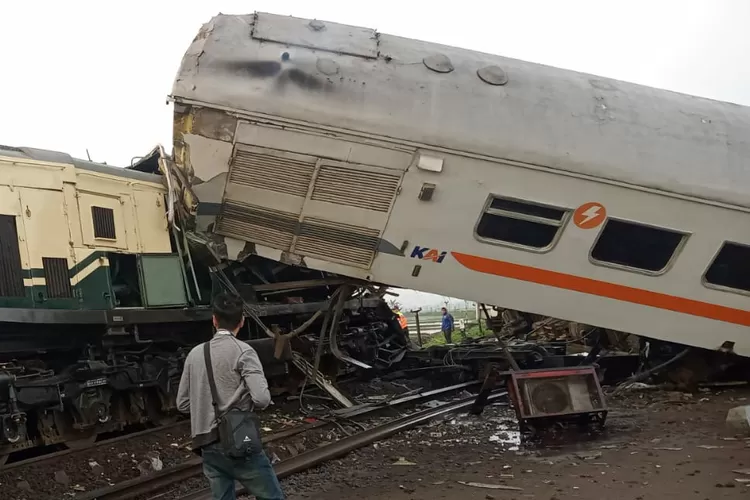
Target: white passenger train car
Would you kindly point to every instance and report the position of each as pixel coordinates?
(470, 175)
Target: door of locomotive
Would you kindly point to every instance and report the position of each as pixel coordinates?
(12, 289)
(13, 256)
(48, 241)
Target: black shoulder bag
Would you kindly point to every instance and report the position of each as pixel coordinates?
(237, 429)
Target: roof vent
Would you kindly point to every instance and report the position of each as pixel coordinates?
(317, 25)
(438, 63)
(494, 75)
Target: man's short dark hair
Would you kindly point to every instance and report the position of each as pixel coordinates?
(227, 309)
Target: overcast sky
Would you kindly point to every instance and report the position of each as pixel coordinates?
(95, 74)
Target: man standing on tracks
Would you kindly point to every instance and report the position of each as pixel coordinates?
(447, 325)
(237, 374)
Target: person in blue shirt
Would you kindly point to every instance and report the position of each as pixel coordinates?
(447, 325)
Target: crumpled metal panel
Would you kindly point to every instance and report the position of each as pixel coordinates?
(356, 187)
(335, 241)
(264, 226)
(282, 174)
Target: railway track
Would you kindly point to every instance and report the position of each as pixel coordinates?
(96, 444)
(134, 488)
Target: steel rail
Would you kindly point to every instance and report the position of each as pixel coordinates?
(132, 488)
(97, 444)
(343, 446)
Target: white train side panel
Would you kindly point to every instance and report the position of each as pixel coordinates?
(552, 192)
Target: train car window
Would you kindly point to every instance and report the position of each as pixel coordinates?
(526, 208)
(636, 246)
(730, 268)
(520, 223)
(104, 223)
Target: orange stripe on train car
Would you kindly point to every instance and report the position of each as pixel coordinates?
(603, 289)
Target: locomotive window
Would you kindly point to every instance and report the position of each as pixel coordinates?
(520, 223)
(104, 223)
(730, 268)
(635, 246)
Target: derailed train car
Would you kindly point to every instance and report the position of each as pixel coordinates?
(451, 171)
(101, 299)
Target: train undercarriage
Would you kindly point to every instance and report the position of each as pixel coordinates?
(66, 384)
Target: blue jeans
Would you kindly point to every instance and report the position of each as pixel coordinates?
(254, 472)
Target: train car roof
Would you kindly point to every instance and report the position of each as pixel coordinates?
(428, 94)
(45, 155)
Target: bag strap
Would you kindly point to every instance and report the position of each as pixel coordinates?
(212, 383)
(211, 379)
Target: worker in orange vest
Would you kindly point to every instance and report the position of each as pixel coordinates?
(401, 318)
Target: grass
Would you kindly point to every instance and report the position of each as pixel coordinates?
(431, 316)
(473, 332)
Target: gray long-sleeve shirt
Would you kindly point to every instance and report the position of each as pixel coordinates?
(237, 371)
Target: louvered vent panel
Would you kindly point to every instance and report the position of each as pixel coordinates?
(355, 188)
(273, 173)
(264, 226)
(336, 241)
(104, 223)
(57, 278)
(11, 274)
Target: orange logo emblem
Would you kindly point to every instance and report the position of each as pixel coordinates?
(589, 215)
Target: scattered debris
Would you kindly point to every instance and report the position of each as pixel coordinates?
(709, 446)
(490, 486)
(738, 419)
(62, 478)
(155, 461)
(144, 467)
(96, 468)
(593, 455)
(668, 448)
(403, 461)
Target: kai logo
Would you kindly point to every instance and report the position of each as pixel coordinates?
(425, 253)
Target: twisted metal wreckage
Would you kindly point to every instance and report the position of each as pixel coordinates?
(329, 326)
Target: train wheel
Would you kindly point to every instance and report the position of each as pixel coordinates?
(80, 443)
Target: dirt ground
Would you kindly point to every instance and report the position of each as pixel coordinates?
(658, 445)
